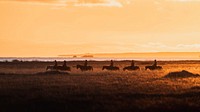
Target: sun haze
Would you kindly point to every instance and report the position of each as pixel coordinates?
(54, 27)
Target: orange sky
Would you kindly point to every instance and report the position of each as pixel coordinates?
(53, 27)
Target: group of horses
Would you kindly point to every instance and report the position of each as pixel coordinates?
(111, 68)
(50, 67)
(130, 68)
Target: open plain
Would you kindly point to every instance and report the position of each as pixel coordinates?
(27, 87)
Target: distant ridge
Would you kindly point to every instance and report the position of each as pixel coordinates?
(168, 55)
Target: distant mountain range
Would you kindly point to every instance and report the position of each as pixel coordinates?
(165, 55)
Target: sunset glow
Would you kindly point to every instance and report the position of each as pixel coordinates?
(55, 27)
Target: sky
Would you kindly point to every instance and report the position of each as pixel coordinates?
(56, 27)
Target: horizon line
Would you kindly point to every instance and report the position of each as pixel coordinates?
(126, 53)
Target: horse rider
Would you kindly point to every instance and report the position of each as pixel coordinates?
(132, 63)
(55, 65)
(111, 63)
(85, 64)
(155, 63)
(64, 64)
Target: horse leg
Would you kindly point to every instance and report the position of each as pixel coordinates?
(47, 68)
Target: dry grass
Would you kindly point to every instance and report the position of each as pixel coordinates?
(98, 90)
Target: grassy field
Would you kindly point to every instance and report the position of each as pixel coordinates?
(23, 89)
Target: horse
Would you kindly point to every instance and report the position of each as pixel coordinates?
(153, 67)
(131, 68)
(63, 68)
(110, 68)
(84, 68)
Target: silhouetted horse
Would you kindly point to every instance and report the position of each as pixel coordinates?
(58, 68)
(110, 68)
(64, 68)
(84, 68)
(131, 68)
(153, 67)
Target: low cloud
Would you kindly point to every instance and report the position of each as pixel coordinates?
(184, 0)
(108, 3)
(157, 47)
(86, 3)
(154, 45)
(189, 46)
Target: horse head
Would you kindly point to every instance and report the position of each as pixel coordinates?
(124, 68)
(116, 68)
(90, 68)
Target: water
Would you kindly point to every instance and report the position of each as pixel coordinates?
(46, 59)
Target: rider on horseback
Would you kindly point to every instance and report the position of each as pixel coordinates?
(64, 64)
(55, 65)
(155, 63)
(132, 63)
(111, 63)
(85, 64)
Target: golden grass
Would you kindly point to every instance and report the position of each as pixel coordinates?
(123, 87)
